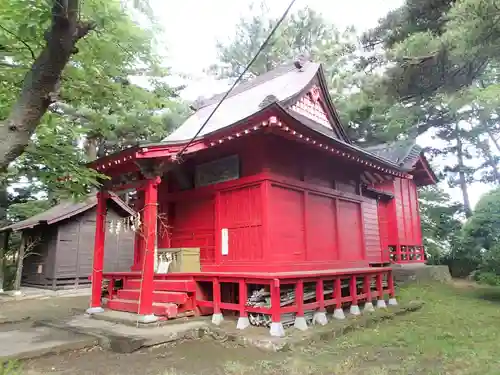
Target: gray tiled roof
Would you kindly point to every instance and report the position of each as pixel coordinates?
(246, 99)
(403, 153)
(62, 211)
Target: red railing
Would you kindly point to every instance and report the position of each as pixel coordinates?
(348, 287)
(332, 289)
(407, 254)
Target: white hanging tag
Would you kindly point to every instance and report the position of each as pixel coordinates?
(225, 241)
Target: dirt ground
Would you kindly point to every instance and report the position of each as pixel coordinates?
(193, 357)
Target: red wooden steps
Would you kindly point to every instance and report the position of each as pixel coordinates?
(160, 309)
(165, 285)
(178, 298)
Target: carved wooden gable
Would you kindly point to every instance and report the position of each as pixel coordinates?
(312, 106)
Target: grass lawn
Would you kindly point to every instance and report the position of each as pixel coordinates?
(456, 332)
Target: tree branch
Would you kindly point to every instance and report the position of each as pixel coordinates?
(42, 80)
(21, 40)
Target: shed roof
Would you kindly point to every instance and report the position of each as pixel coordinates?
(64, 210)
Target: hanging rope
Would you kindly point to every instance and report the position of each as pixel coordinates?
(240, 77)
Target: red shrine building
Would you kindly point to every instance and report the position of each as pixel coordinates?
(285, 217)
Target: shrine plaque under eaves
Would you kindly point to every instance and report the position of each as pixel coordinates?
(220, 170)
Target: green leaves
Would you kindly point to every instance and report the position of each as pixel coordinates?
(98, 110)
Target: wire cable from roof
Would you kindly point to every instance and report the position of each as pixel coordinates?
(264, 45)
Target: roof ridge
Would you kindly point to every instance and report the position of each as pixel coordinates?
(64, 210)
(249, 84)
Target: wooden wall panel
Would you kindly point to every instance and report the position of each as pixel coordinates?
(193, 225)
(351, 241)
(402, 213)
(321, 228)
(240, 212)
(417, 222)
(286, 224)
(372, 231)
(399, 205)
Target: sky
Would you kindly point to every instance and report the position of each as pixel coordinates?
(193, 27)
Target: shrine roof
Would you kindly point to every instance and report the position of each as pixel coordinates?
(278, 85)
(298, 94)
(403, 153)
(407, 155)
(65, 210)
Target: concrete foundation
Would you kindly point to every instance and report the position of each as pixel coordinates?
(339, 314)
(277, 330)
(243, 322)
(116, 336)
(381, 304)
(217, 319)
(146, 319)
(320, 318)
(368, 307)
(24, 341)
(354, 310)
(393, 302)
(300, 323)
(419, 272)
(94, 310)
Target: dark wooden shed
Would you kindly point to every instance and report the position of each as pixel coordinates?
(62, 243)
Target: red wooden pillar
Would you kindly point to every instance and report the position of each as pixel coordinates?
(148, 237)
(217, 317)
(243, 321)
(391, 289)
(138, 242)
(353, 291)
(320, 295)
(276, 326)
(299, 297)
(98, 261)
(398, 253)
(300, 321)
(337, 294)
(380, 291)
(319, 316)
(367, 289)
(243, 297)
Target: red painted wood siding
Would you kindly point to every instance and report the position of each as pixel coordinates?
(321, 228)
(407, 214)
(351, 246)
(401, 214)
(193, 226)
(286, 224)
(417, 221)
(372, 231)
(241, 213)
(384, 214)
(293, 208)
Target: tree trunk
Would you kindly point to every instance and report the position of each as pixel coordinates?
(20, 260)
(3, 251)
(493, 139)
(461, 175)
(41, 82)
(490, 160)
(91, 148)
